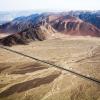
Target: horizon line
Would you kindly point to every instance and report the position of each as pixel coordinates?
(49, 10)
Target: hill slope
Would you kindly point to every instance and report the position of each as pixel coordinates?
(23, 37)
(42, 26)
(74, 26)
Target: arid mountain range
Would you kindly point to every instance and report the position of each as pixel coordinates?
(51, 56)
(24, 29)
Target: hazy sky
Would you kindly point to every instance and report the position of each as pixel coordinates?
(10, 5)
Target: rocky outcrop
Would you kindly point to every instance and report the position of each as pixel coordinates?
(24, 37)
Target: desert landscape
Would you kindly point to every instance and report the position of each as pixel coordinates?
(50, 55)
(26, 79)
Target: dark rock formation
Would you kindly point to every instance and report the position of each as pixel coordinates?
(24, 37)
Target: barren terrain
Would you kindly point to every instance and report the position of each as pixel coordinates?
(24, 79)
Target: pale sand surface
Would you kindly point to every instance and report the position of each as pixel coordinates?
(25, 79)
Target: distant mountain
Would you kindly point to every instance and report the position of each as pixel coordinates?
(18, 24)
(9, 16)
(5, 17)
(40, 26)
(92, 17)
(74, 26)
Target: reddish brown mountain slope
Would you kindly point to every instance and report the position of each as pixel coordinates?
(74, 26)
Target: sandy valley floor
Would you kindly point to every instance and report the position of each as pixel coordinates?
(25, 79)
